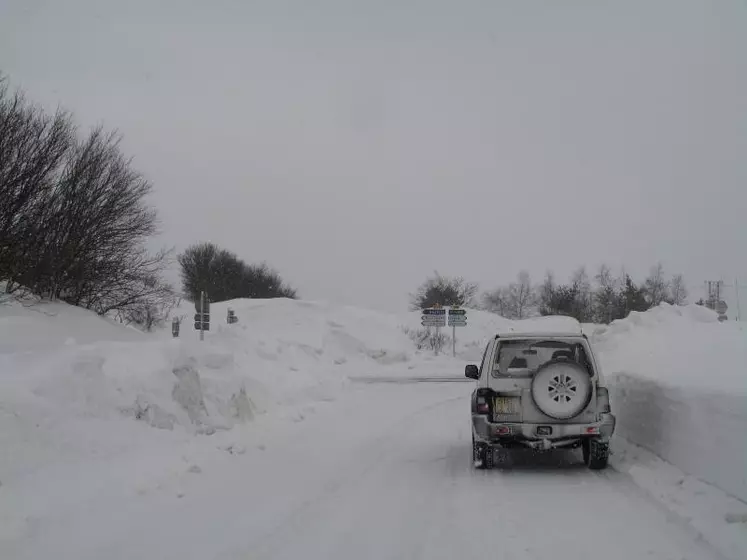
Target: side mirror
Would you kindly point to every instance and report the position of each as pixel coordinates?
(471, 371)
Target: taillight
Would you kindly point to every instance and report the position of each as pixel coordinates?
(481, 403)
(603, 399)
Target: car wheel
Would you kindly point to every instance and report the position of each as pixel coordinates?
(561, 389)
(596, 454)
(489, 458)
(482, 456)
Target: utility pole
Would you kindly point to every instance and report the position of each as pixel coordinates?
(736, 297)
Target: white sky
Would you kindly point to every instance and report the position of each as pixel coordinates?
(358, 146)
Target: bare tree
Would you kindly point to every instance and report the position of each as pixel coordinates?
(496, 301)
(521, 295)
(33, 147)
(546, 296)
(583, 307)
(656, 288)
(224, 276)
(443, 290)
(73, 218)
(677, 290)
(97, 226)
(607, 296)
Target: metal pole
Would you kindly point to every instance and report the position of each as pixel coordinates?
(453, 341)
(438, 338)
(736, 291)
(202, 315)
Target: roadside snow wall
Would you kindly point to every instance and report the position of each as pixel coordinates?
(678, 385)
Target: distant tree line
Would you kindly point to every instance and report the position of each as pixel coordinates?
(73, 217)
(224, 276)
(602, 299)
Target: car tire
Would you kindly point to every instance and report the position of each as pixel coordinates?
(561, 389)
(482, 455)
(596, 454)
(489, 458)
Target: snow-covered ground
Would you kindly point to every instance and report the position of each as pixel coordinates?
(679, 386)
(270, 440)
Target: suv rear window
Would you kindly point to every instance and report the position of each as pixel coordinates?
(521, 358)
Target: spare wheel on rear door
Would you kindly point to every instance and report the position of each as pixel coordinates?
(561, 389)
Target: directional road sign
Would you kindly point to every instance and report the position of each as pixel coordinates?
(202, 321)
(457, 317)
(433, 317)
(434, 311)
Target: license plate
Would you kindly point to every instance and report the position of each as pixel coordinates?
(506, 405)
(544, 430)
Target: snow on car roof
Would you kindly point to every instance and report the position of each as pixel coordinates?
(554, 326)
(538, 334)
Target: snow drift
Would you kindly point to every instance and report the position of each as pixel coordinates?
(678, 382)
(56, 356)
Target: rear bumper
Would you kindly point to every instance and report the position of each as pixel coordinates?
(536, 436)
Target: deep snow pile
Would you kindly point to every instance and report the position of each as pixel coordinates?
(73, 384)
(53, 355)
(678, 383)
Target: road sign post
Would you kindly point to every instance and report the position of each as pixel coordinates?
(434, 317)
(457, 318)
(231, 318)
(202, 317)
(202, 312)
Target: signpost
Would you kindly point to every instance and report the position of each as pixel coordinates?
(433, 317)
(231, 318)
(438, 317)
(457, 318)
(202, 317)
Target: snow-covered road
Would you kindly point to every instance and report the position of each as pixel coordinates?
(383, 472)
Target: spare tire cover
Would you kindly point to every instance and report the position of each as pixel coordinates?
(561, 389)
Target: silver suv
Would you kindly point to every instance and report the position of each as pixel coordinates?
(542, 391)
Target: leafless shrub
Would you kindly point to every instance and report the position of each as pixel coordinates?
(73, 218)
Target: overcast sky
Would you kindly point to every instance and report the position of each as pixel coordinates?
(358, 146)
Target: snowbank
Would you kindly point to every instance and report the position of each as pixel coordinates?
(280, 351)
(74, 386)
(678, 382)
